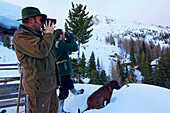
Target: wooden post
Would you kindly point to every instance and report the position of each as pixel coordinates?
(19, 91)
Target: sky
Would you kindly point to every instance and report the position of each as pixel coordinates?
(143, 11)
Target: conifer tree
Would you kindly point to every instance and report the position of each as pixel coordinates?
(120, 71)
(74, 67)
(131, 75)
(92, 72)
(94, 77)
(91, 64)
(7, 42)
(139, 57)
(146, 73)
(162, 70)
(98, 65)
(103, 79)
(144, 46)
(132, 54)
(133, 62)
(79, 24)
(82, 66)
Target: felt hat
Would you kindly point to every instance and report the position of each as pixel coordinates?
(30, 12)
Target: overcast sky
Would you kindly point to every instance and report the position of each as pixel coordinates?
(143, 11)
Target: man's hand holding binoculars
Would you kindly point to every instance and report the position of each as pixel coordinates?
(49, 27)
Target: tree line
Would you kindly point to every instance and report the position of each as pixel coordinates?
(141, 56)
(92, 70)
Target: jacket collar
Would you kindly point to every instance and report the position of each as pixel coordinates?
(30, 29)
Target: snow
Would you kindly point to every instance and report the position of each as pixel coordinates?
(9, 14)
(5, 56)
(137, 98)
(8, 56)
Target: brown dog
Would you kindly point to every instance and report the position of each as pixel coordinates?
(96, 100)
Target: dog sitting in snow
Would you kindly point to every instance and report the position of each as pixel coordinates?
(96, 100)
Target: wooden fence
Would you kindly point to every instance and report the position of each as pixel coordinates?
(9, 91)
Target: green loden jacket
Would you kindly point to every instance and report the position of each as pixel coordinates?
(34, 53)
(61, 53)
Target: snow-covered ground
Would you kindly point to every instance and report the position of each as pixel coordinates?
(137, 98)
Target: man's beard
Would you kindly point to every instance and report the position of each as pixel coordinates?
(37, 28)
(40, 32)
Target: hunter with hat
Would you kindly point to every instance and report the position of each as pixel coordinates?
(33, 50)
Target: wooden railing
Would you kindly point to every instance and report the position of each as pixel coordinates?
(9, 91)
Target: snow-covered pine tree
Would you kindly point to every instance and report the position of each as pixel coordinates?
(91, 64)
(79, 23)
(7, 42)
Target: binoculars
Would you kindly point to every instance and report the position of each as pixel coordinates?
(43, 20)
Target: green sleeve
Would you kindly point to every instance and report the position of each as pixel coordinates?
(71, 46)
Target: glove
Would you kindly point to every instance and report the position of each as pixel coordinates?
(70, 36)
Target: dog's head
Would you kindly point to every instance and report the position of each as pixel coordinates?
(114, 84)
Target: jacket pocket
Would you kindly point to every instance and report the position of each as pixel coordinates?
(62, 65)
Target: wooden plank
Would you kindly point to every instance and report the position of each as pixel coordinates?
(8, 65)
(10, 103)
(8, 96)
(8, 79)
(9, 88)
(8, 68)
(18, 78)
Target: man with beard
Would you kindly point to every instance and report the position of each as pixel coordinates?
(33, 50)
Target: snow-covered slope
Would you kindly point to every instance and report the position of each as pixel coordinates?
(137, 98)
(107, 26)
(9, 13)
(7, 55)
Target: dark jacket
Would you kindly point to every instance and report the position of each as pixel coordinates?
(61, 53)
(34, 53)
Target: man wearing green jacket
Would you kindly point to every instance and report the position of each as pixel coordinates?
(62, 46)
(33, 50)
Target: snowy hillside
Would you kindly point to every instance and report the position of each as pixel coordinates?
(7, 55)
(9, 14)
(138, 98)
(104, 27)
